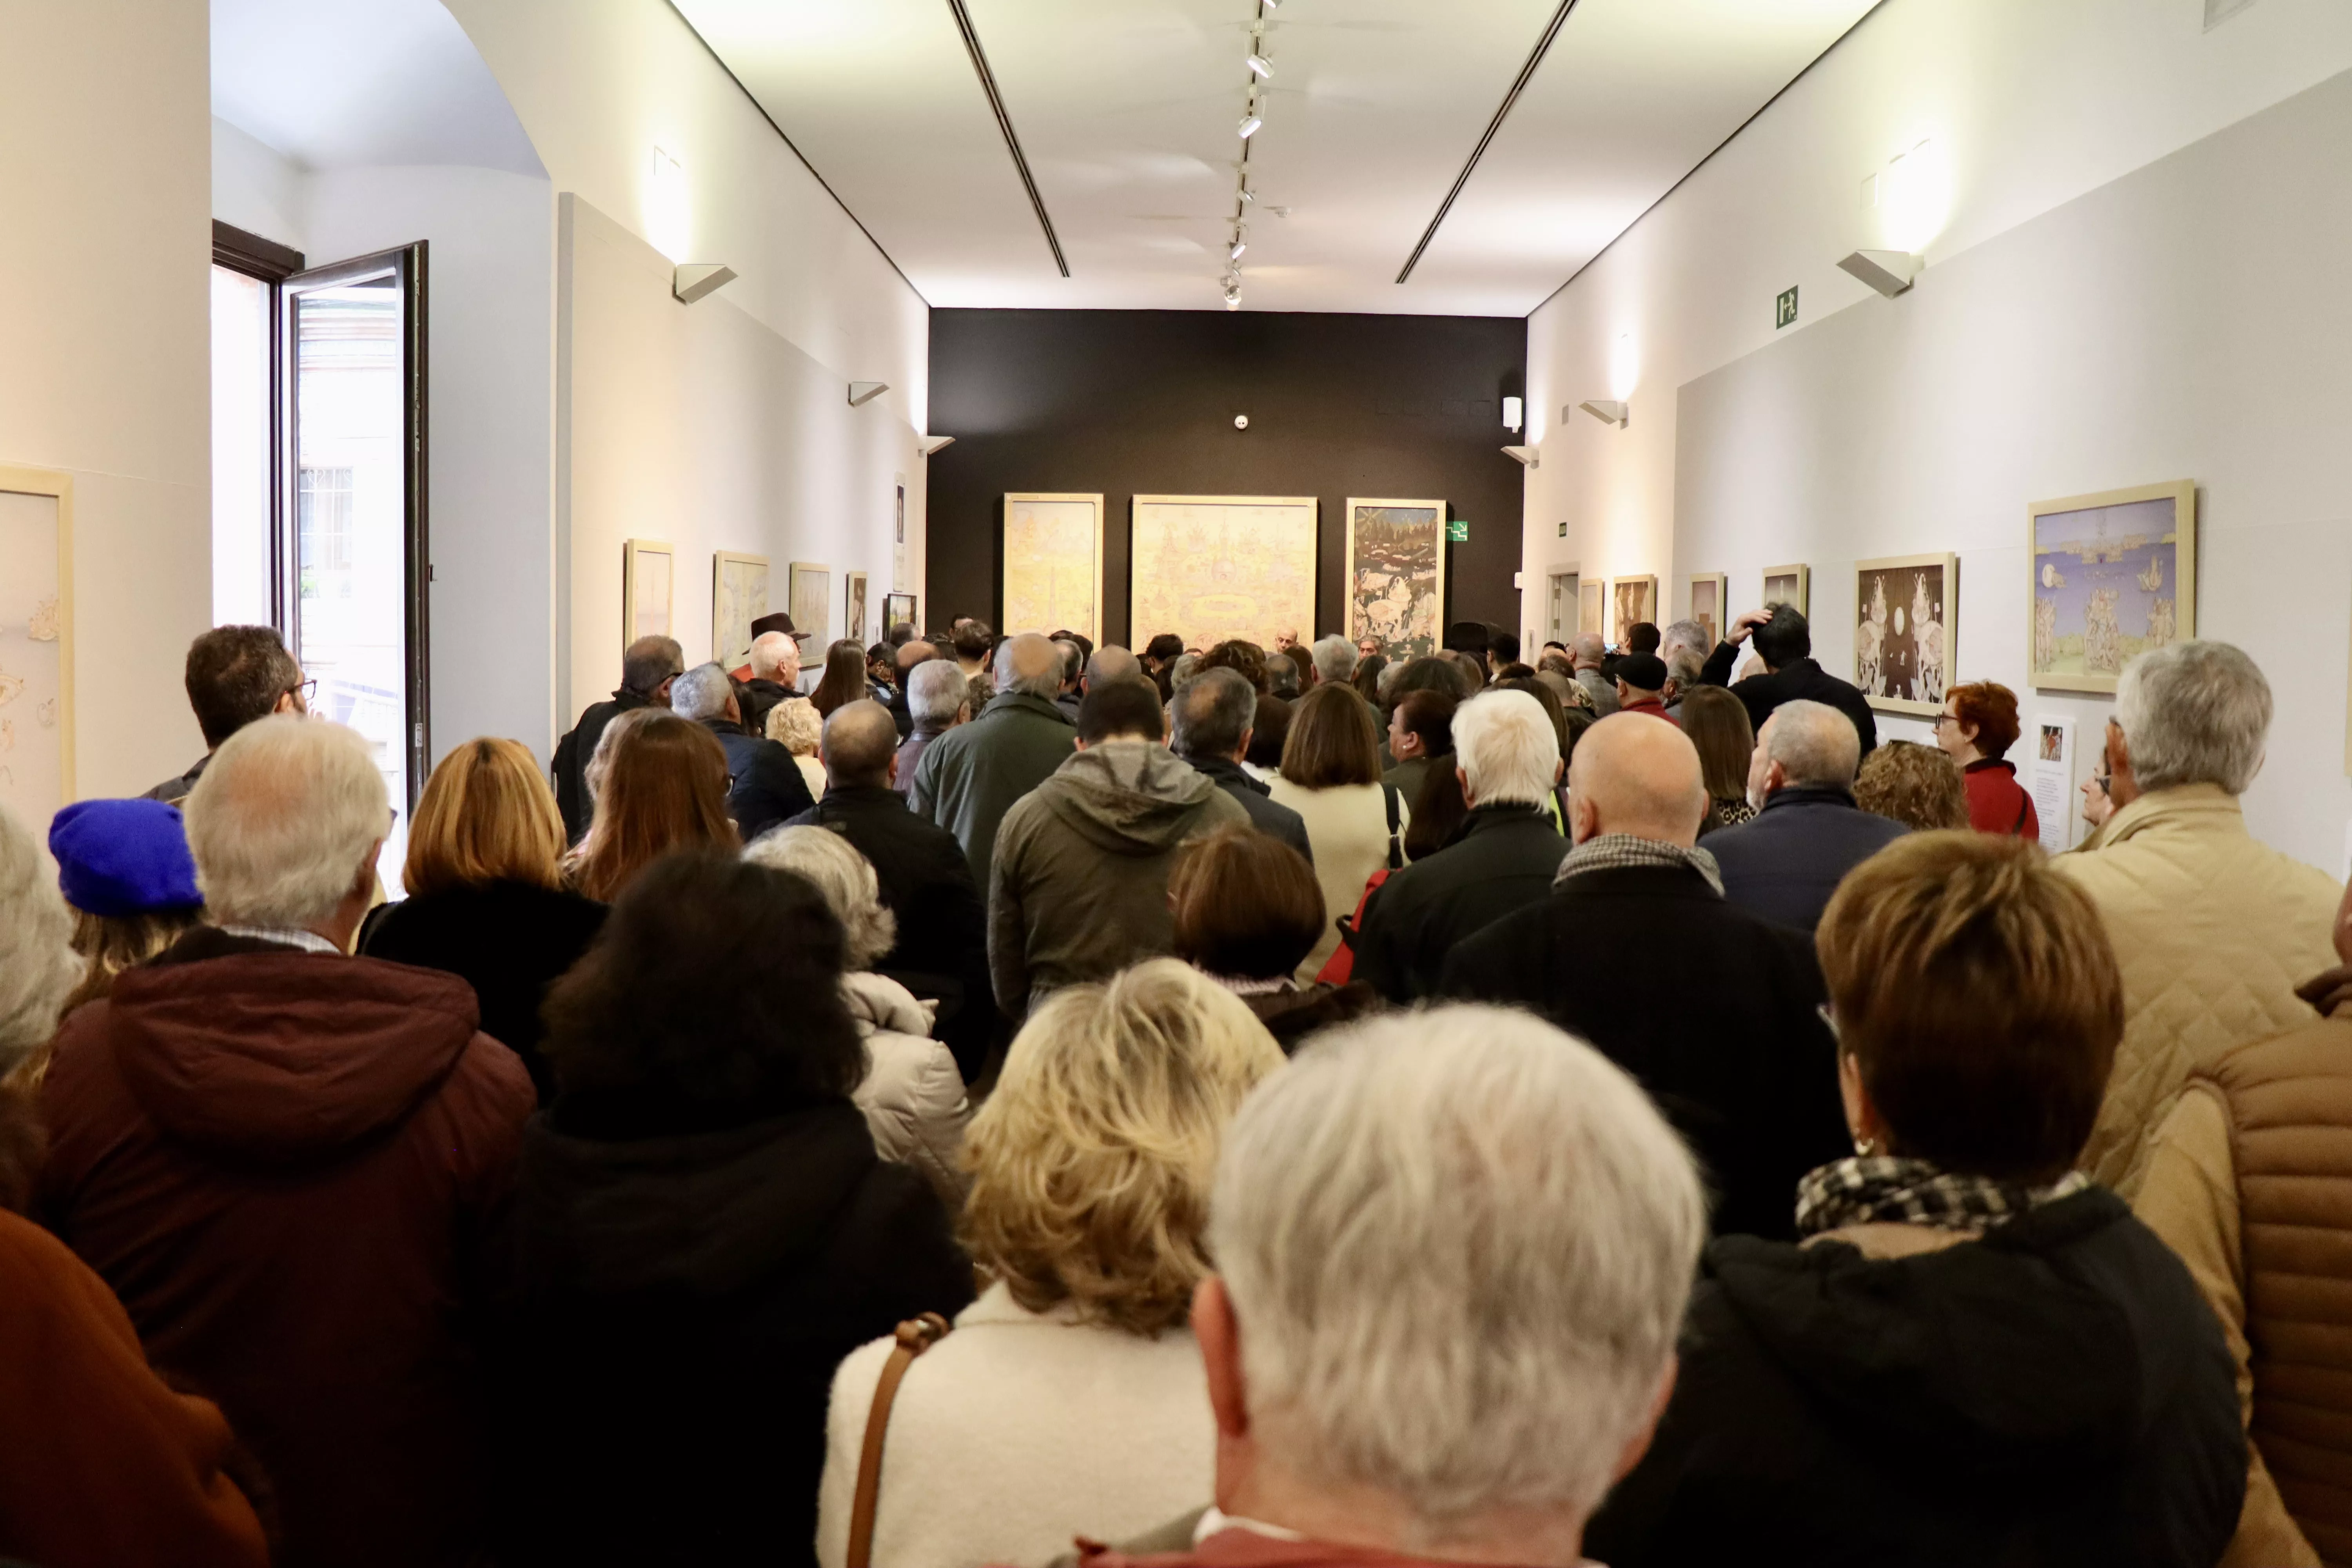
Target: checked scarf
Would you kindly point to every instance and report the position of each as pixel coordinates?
(1889, 1189)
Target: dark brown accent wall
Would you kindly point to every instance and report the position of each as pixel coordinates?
(1142, 403)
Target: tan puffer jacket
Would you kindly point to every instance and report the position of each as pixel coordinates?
(913, 1096)
(2214, 930)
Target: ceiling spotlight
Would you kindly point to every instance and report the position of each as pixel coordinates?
(1272, 4)
(1248, 194)
(1258, 63)
(1250, 124)
(1232, 298)
(1239, 246)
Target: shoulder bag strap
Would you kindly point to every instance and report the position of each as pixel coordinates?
(915, 1335)
(1396, 845)
(2025, 804)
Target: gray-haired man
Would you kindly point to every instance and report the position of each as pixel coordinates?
(768, 787)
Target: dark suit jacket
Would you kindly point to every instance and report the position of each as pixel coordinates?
(1502, 859)
(1722, 1029)
(570, 768)
(942, 951)
(1786, 862)
(768, 789)
(1267, 815)
(1801, 679)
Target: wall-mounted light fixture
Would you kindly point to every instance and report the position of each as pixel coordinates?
(931, 444)
(1526, 455)
(696, 278)
(1608, 412)
(1888, 271)
(861, 392)
(1512, 416)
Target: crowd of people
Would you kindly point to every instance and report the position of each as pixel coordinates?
(1020, 1102)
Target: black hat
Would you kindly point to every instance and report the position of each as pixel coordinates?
(1643, 671)
(778, 622)
(1468, 636)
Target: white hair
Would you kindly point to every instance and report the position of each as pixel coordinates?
(1335, 657)
(282, 820)
(936, 690)
(701, 692)
(846, 879)
(771, 652)
(1458, 1244)
(2194, 712)
(1504, 742)
(38, 966)
(1814, 744)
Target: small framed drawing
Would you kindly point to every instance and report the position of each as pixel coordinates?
(1905, 634)
(739, 595)
(853, 606)
(897, 609)
(1707, 592)
(2113, 576)
(1591, 604)
(1631, 600)
(37, 644)
(812, 601)
(648, 575)
(1790, 586)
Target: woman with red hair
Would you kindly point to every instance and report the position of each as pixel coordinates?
(1977, 728)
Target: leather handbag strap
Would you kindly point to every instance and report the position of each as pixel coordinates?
(915, 1335)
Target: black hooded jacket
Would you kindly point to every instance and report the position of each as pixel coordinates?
(2055, 1392)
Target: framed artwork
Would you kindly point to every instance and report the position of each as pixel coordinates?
(1905, 635)
(853, 606)
(1707, 592)
(37, 710)
(812, 601)
(1209, 568)
(1396, 576)
(1591, 605)
(1790, 586)
(2113, 576)
(898, 608)
(649, 574)
(1630, 600)
(739, 595)
(1052, 563)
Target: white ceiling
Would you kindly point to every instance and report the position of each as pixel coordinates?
(1127, 110)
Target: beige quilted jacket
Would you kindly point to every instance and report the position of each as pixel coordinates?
(2214, 930)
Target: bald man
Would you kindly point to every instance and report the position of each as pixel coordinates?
(1636, 949)
(969, 778)
(942, 951)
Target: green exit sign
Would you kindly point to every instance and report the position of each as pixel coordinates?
(1458, 531)
(1784, 309)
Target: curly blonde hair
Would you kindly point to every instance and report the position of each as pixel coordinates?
(1916, 785)
(797, 724)
(1091, 1163)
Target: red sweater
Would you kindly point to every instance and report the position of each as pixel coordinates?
(1997, 802)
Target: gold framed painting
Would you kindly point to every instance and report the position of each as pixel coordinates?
(1052, 563)
(1790, 586)
(1209, 568)
(897, 610)
(811, 593)
(739, 595)
(1396, 576)
(2113, 576)
(1709, 590)
(1592, 607)
(37, 644)
(1907, 631)
(853, 606)
(1631, 600)
(649, 583)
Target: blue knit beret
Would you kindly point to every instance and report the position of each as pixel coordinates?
(123, 857)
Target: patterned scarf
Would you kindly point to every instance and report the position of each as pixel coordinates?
(1615, 851)
(1889, 1190)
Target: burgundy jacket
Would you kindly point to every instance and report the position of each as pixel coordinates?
(291, 1167)
(1997, 802)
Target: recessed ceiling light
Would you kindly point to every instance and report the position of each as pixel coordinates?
(1258, 63)
(1250, 124)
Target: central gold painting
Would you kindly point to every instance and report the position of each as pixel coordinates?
(1212, 567)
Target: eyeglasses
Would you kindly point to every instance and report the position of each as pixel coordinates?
(1829, 1020)
(1943, 719)
(306, 691)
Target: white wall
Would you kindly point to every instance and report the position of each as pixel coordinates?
(103, 365)
(1930, 423)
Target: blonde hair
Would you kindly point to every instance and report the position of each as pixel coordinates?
(486, 816)
(1916, 785)
(1092, 1162)
(833, 865)
(796, 723)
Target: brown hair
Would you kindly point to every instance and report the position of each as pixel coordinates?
(1916, 785)
(1331, 741)
(1430, 715)
(486, 815)
(1246, 904)
(1992, 709)
(1975, 988)
(1717, 723)
(665, 788)
(1245, 660)
(845, 678)
(114, 943)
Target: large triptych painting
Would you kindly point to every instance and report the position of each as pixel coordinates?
(1052, 563)
(2113, 576)
(1212, 567)
(36, 643)
(1907, 632)
(1396, 576)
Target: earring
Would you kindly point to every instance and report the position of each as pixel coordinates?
(1865, 1147)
